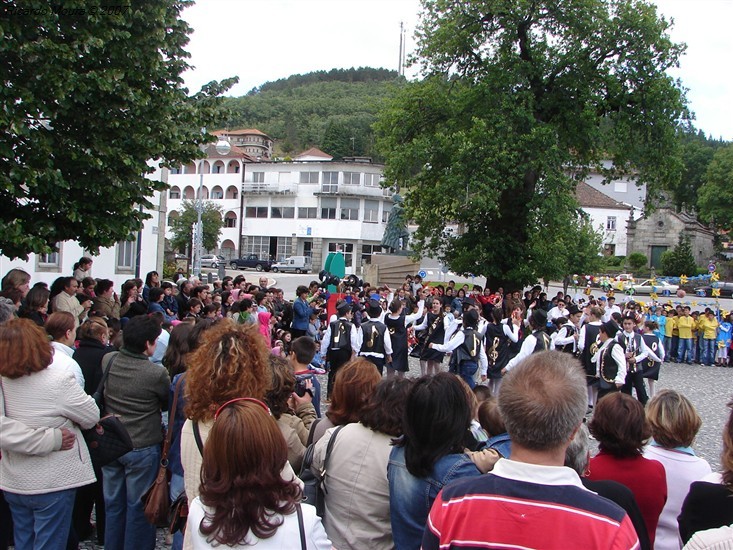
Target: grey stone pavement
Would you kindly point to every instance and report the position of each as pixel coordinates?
(709, 389)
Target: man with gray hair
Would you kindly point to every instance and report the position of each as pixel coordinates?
(531, 498)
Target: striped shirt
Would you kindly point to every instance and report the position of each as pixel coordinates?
(521, 506)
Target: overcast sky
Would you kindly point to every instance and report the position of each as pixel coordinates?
(264, 40)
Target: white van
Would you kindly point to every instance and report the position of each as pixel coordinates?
(295, 264)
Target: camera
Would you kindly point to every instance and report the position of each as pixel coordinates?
(301, 389)
(328, 279)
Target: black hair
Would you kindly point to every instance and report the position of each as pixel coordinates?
(155, 293)
(304, 348)
(103, 285)
(138, 331)
(302, 289)
(435, 420)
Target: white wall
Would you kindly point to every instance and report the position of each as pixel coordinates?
(599, 217)
(105, 262)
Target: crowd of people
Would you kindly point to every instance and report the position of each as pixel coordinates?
(490, 449)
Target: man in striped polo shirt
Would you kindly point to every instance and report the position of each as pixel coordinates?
(531, 500)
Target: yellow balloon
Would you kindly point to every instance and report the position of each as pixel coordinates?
(714, 276)
(716, 292)
(683, 279)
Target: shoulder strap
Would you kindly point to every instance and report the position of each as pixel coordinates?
(171, 420)
(100, 389)
(301, 526)
(197, 437)
(329, 448)
(312, 431)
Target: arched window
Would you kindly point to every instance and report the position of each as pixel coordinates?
(230, 219)
(233, 167)
(189, 193)
(174, 193)
(232, 192)
(172, 215)
(228, 250)
(217, 193)
(189, 168)
(218, 167)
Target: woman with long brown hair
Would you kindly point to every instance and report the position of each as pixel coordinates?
(244, 500)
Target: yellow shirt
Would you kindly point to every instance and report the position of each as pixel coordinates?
(684, 325)
(670, 326)
(709, 327)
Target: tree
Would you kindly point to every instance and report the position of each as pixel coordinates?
(636, 260)
(182, 226)
(518, 100)
(583, 248)
(90, 95)
(715, 202)
(680, 260)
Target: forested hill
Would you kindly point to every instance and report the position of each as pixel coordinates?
(323, 109)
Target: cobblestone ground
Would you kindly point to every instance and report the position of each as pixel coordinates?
(709, 389)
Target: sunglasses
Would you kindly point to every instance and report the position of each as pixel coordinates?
(252, 399)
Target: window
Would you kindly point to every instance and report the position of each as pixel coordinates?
(328, 209)
(309, 177)
(330, 182)
(371, 211)
(50, 261)
(255, 212)
(308, 212)
(611, 223)
(284, 247)
(282, 212)
(352, 178)
(367, 250)
(258, 177)
(620, 186)
(217, 193)
(258, 245)
(386, 209)
(230, 220)
(347, 249)
(175, 193)
(350, 209)
(371, 180)
(126, 251)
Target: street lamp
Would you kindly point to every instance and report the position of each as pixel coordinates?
(222, 147)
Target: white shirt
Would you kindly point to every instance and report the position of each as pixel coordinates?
(286, 536)
(556, 313)
(581, 334)
(642, 352)
(609, 311)
(530, 342)
(561, 337)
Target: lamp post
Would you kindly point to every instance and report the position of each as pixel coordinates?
(222, 147)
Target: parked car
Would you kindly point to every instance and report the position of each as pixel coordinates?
(251, 261)
(646, 287)
(293, 264)
(726, 290)
(211, 260)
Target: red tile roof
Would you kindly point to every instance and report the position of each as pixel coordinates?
(314, 152)
(588, 197)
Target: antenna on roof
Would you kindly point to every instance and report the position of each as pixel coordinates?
(401, 62)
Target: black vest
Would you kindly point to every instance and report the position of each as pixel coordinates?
(569, 331)
(373, 332)
(590, 347)
(340, 335)
(543, 341)
(470, 349)
(609, 367)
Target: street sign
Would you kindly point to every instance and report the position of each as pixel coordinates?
(422, 273)
(711, 267)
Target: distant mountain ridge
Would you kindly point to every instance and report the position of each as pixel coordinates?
(332, 110)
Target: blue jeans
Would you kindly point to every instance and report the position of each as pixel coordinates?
(125, 481)
(467, 370)
(42, 521)
(176, 488)
(708, 351)
(686, 345)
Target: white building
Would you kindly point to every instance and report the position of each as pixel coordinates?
(606, 215)
(125, 260)
(306, 207)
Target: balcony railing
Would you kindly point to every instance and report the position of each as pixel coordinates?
(261, 188)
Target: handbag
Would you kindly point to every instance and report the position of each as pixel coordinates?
(178, 515)
(156, 500)
(314, 491)
(108, 440)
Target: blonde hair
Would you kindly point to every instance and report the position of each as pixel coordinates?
(673, 419)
